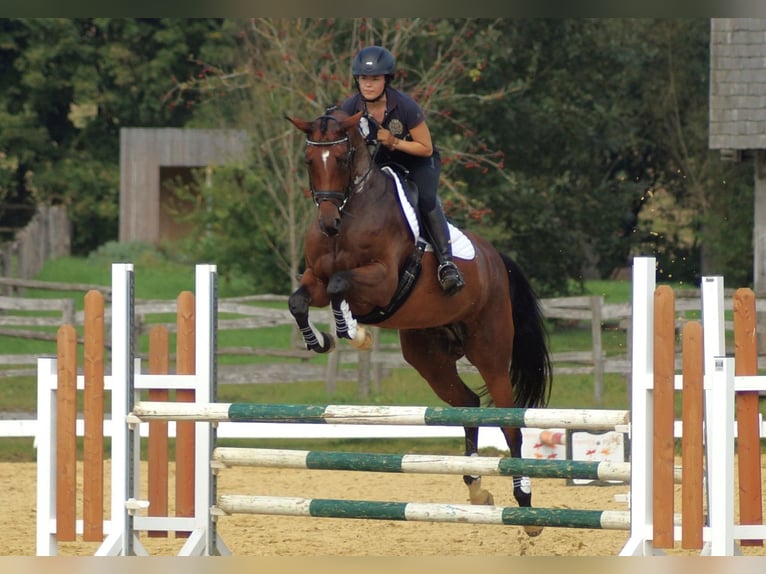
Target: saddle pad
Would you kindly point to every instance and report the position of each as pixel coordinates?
(461, 245)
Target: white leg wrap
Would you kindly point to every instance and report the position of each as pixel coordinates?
(523, 482)
(343, 316)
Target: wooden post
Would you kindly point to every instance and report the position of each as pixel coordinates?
(157, 484)
(692, 440)
(664, 416)
(331, 374)
(93, 444)
(748, 431)
(66, 434)
(377, 366)
(363, 374)
(596, 303)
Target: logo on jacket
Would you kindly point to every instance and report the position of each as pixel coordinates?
(396, 127)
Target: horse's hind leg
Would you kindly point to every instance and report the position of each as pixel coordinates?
(433, 354)
(522, 485)
(497, 378)
(476, 493)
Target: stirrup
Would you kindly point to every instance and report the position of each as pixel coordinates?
(450, 278)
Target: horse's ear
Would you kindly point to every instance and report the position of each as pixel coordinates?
(303, 125)
(351, 120)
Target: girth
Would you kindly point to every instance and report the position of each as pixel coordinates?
(407, 278)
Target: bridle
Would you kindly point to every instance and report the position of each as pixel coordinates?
(341, 197)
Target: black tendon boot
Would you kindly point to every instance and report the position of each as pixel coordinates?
(449, 275)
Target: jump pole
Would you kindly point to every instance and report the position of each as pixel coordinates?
(580, 419)
(224, 457)
(423, 512)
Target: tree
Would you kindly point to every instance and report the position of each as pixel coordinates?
(299, 67)
(601, 118)
(68, 86)
(688, 217)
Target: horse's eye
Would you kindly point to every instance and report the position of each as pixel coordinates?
(307, 160)
(343, 159)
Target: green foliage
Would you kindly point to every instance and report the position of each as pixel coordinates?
(138, 252)
(726, 227)
(567, 132)
(598, 118)
(239, 227)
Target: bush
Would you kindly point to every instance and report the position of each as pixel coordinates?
(139, 252)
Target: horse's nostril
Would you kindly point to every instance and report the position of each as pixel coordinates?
(329, 229)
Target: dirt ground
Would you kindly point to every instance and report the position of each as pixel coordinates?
(297, 536)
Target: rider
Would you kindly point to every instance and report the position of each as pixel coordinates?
(397, 122)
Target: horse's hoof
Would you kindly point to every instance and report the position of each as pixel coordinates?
(533, 531)
(484, 498)
(478, 495)
(328, 344)
(363, 339)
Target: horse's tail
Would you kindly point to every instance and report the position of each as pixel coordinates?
(531, 373)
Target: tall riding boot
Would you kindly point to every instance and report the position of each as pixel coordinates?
(449, 276)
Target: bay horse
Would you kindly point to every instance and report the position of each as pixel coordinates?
(362, 259)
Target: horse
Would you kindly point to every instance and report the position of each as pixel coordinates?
(364, 259)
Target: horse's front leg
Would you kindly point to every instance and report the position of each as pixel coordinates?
(346, 326)
(315, 340)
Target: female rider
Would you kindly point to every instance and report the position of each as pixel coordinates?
(397, 122)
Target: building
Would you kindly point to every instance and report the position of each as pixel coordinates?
(738, 112)
(151, 159)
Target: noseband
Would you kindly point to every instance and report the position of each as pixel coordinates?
(318, 196)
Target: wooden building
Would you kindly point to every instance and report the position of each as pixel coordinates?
(738, 112)
(151, 159)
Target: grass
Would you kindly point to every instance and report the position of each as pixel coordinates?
(612, 291)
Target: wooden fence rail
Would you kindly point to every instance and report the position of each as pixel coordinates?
(244, 313)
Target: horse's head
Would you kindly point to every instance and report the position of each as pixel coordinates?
(330, 155)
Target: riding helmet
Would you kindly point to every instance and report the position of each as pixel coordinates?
(373, 61)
